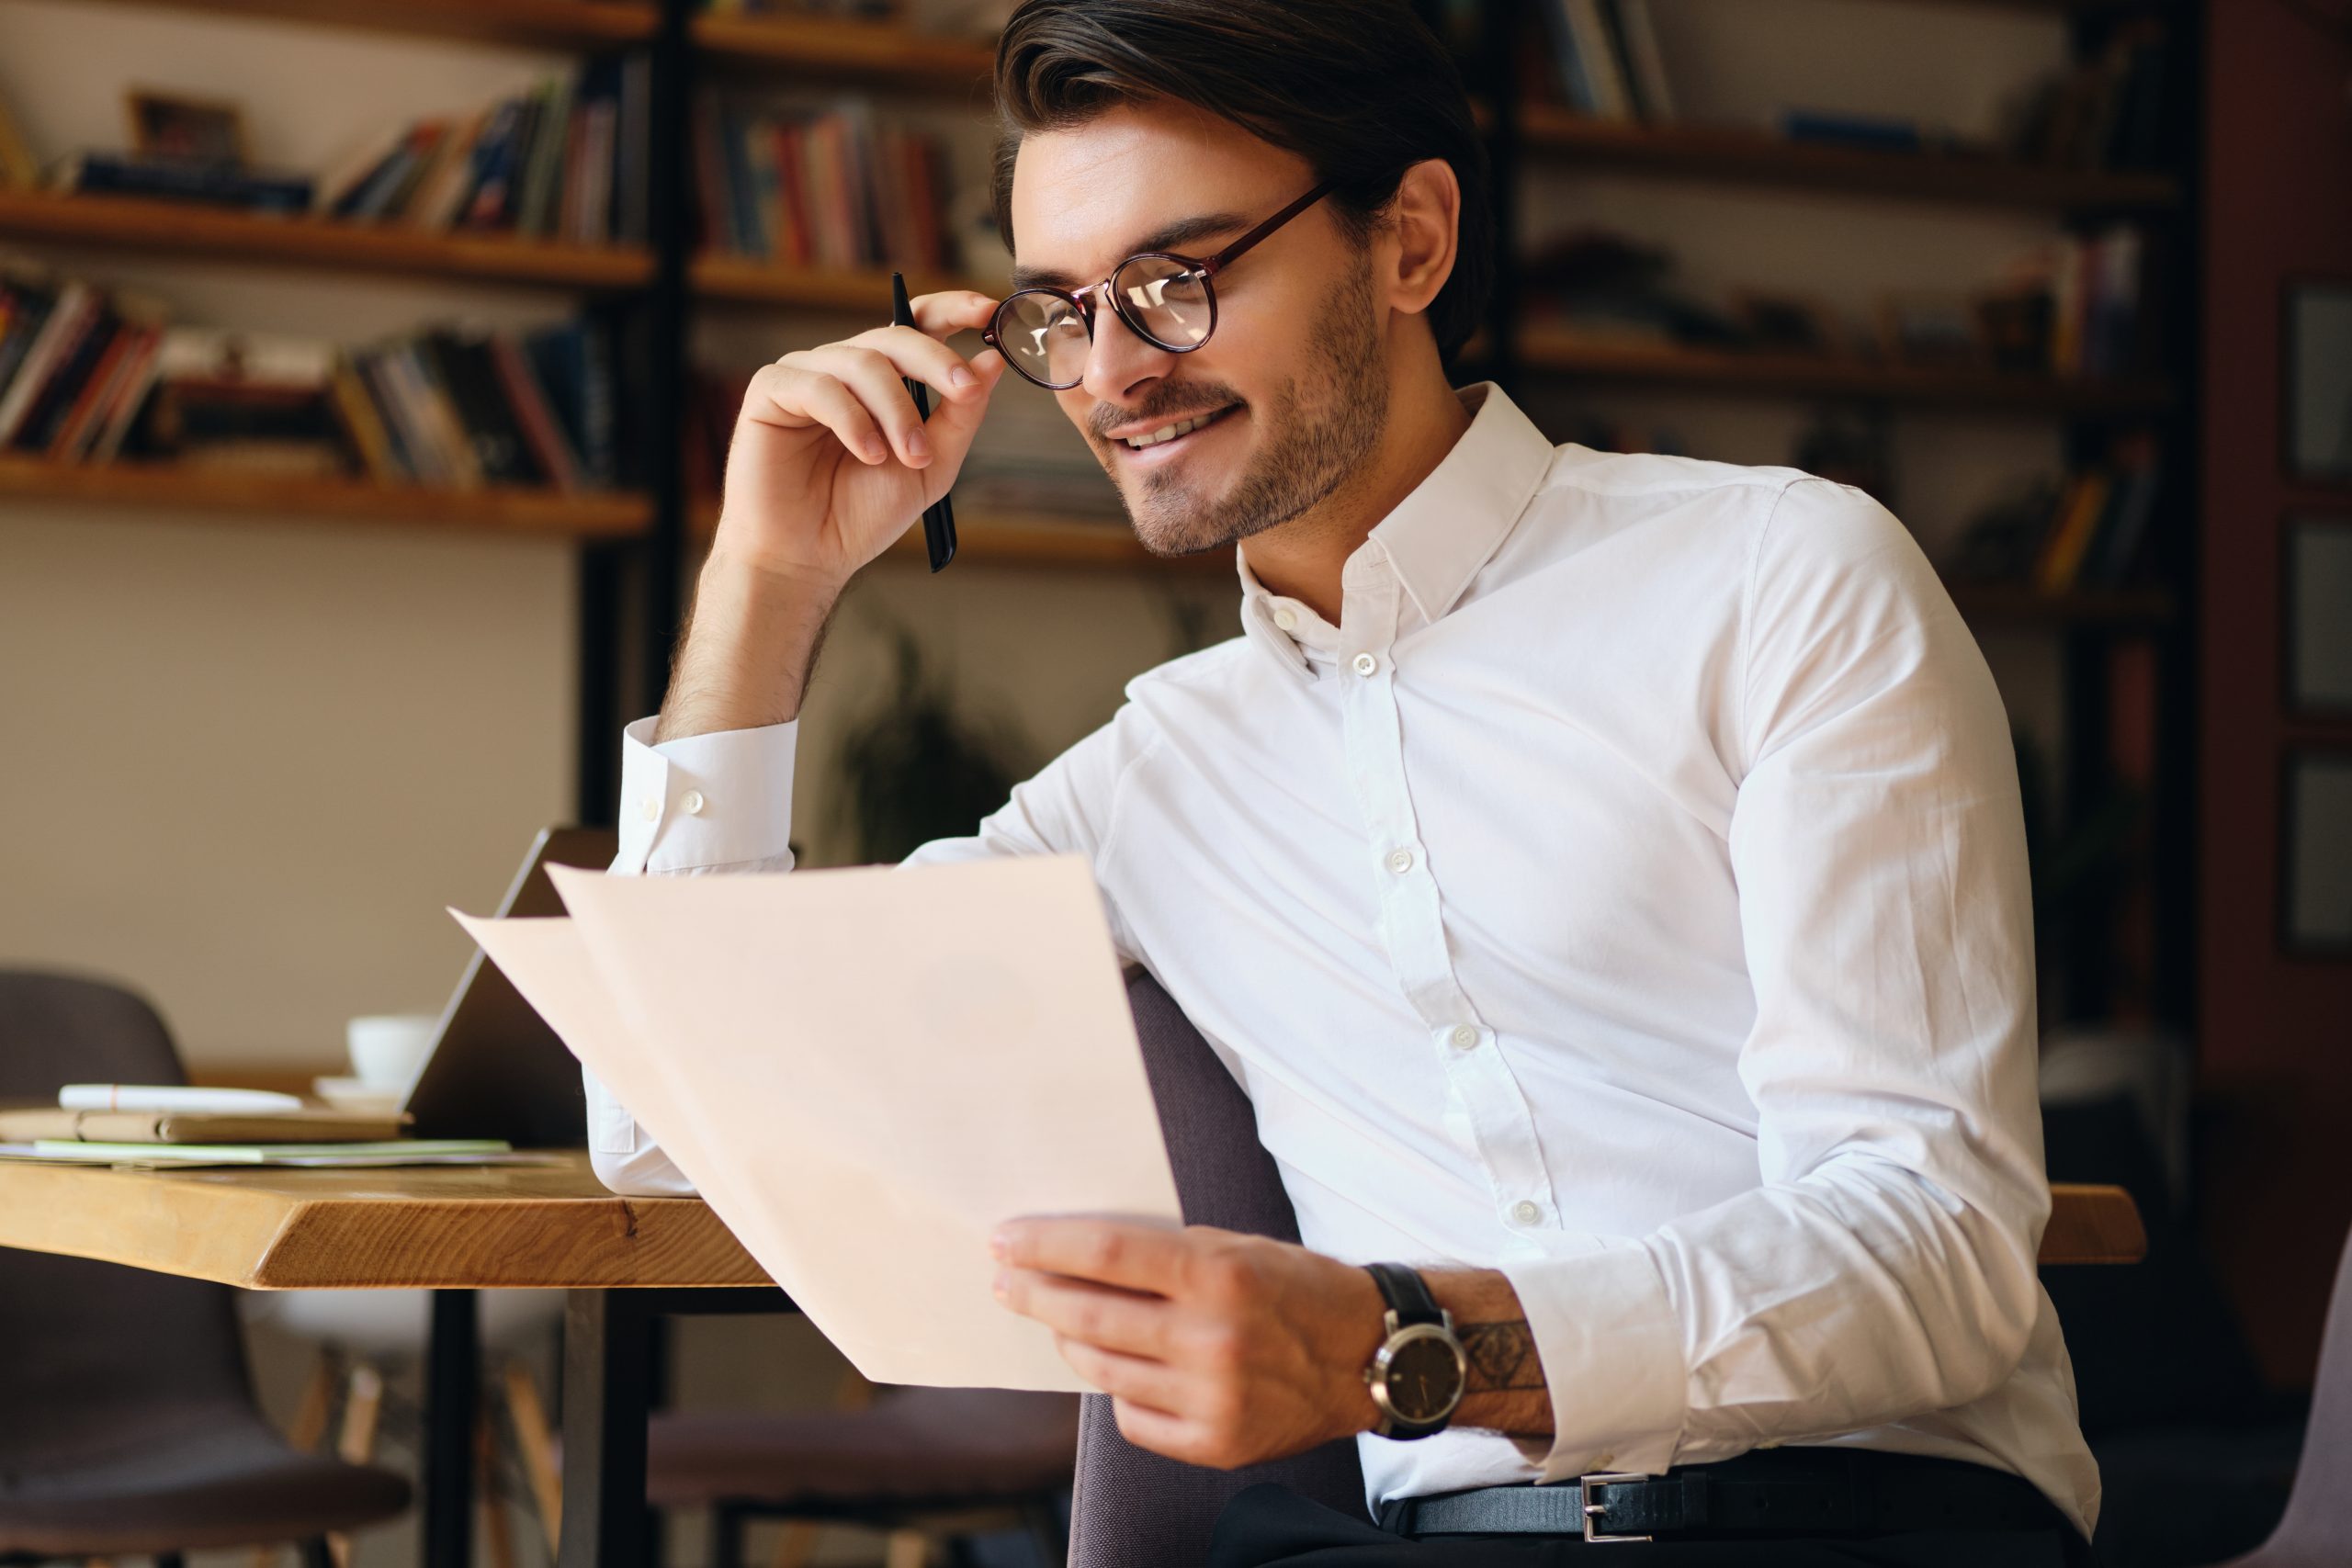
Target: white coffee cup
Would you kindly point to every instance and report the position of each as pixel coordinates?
(387, 1049)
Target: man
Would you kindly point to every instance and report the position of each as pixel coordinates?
(1605, 874)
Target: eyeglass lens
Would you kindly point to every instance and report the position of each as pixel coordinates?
(1045, 337)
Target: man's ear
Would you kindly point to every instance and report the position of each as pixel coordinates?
(1423, 218)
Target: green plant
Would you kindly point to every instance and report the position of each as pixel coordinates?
(916, 769)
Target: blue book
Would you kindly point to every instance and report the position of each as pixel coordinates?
(178, 179)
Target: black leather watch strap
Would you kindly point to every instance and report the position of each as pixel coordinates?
(1406, 1296)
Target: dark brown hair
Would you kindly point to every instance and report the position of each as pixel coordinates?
(1359, 88)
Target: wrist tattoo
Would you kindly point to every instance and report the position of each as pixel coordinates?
(1502, 1356)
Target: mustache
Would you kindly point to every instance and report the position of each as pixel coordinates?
(1182, 403)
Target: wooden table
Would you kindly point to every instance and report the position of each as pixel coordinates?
(626, 1262)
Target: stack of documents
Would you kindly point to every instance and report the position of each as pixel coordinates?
(863, 1072)
(159, 1124)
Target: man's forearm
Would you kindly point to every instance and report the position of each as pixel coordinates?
(750, 643)
(1506, 1392)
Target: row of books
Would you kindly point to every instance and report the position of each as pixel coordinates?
(471, 408)
(2088, 531)
(1607, 60)
(833, 189)
(2077, 309)
(92, 375)
(565, 159)
(76, 367)
(17, 167)
(2108, 112)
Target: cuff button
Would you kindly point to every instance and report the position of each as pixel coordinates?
(693, 803)
(650, 808)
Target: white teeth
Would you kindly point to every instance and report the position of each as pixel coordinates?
(1170, 432)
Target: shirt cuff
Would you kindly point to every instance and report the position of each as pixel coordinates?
(1611, 1349)
(705, 801)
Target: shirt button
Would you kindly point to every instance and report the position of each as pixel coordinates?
(1464, 1036)
(1400, 861)
(650, 808)
(1527, 1214)
(1365, 664)
(1285, 620)
(692, 803)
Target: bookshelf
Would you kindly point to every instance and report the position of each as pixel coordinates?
(634, 540)
(200, 493)
(745, 280)
(1727, 372)
(529, 24)
(1555, 135)
(830, 49)
(171, 228)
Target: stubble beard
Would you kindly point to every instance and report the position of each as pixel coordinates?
(1318, 431)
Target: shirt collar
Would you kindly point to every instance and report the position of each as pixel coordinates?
(1441, 535)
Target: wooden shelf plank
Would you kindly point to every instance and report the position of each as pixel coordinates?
(1566, 353)
(1562, 137)
(986, 538)
(531, 24)
(826, 50)
(1996, 603)
(142, 224)
(169, 488)
(746, 280)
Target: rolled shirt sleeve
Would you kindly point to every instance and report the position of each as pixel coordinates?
(1886, 1264)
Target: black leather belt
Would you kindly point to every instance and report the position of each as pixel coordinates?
(1764, 1493)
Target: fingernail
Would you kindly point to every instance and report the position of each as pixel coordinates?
(960, 377)
(874, 451)
(1002, 1282)
(918, 445)
(996, 1245)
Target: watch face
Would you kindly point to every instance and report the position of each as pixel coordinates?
(1424, 1378)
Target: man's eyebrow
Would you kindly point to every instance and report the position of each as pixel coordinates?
(1167, 237)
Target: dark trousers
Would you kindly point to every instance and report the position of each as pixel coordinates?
(1272, 1525)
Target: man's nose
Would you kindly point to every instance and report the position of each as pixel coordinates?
(1119, 360)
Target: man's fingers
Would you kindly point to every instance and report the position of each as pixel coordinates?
(1112, 1252)
(953, 310)
(873, 377)
(813, 395)
(1157, 1430)
(1116, 1320)
(1123, 1376)
(924, 358)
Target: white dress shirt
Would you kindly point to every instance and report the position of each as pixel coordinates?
(1628, 894)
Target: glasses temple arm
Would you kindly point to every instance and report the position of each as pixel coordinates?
(1232, 253)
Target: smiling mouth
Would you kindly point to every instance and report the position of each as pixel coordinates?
(1174, 431)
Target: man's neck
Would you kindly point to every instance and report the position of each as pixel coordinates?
(1301, 557)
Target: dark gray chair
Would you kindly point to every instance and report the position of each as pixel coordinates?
(2317, 1529)
(129, 1425)
(1133, 1508)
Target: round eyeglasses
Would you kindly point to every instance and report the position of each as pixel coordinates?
(1166, 299)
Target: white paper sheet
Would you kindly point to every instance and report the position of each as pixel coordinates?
(863, 1071)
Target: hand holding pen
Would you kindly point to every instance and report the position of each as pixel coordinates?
(832, 458)
(939, 517)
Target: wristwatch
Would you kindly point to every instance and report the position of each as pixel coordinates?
(1418, 1375)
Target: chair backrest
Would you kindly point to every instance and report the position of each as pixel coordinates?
(2316, 1531)
(1136, 1509)
(89, 1351)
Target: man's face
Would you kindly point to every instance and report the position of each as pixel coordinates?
(1295, 374)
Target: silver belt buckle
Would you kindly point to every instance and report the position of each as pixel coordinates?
(1593, 1509)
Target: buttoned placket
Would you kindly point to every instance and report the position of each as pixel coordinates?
(1412, 925)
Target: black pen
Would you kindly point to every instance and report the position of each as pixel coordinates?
(938, 519)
